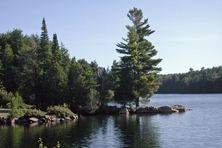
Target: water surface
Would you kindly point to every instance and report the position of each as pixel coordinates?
(200, 127)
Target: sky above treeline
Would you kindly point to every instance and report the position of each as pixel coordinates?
(188, 33)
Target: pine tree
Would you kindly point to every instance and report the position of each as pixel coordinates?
(124, 92)
(56, 54)
(138, 59)
(57, 76)
(44, 52)
(44, 63)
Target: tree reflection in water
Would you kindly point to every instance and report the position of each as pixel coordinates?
(93, 131)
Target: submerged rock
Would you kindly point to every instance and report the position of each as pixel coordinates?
(124, 111)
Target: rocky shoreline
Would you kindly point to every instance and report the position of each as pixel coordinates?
(31, 120)
(155, 110)
(111, 110)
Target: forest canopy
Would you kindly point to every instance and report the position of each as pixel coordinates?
(193, 82)
(42, 73)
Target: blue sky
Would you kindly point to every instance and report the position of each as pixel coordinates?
(188, 33)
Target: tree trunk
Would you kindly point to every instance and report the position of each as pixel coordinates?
(137, 102)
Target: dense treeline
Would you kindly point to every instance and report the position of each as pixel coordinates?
(41, 71)
(203, 81)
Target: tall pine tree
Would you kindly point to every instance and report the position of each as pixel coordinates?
(44, 62)
(57, 76)
(140, 66)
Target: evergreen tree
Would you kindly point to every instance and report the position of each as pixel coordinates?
(44, 61)
(65, 60)
(44, 52)
(82, 87)
(124, 92)
(57, 75)
(56, 54)
(65, 64)
(11, 45)
(138, 59)
(7, 64)
(28, 69)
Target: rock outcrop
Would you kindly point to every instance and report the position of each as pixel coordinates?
(162, 109)
(147, 109)
(32, 120)
(166, 109)
(180, 108)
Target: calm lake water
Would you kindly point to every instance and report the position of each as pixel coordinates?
(201, 127)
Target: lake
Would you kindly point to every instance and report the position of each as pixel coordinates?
(201, 127)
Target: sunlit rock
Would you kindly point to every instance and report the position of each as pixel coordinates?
(180, 108)
(32, 120)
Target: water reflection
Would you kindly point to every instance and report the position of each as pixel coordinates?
(123, 131)
(96, 131)
(138, 131)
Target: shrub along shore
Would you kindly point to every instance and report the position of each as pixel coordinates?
(29, 116)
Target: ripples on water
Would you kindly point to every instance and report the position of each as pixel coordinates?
(200, 127)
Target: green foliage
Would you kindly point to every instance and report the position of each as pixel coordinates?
(14, 104)
(10, 100)
(5, 98)
(40, 142)
(33, 113)
(15, 100)
(110, 94)
(55, 50)
(203, 81)
(15, 111)
(82, 86)
(43, 74)
(136, 69)
(38, 69)
(41, 145)
(59, 111)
